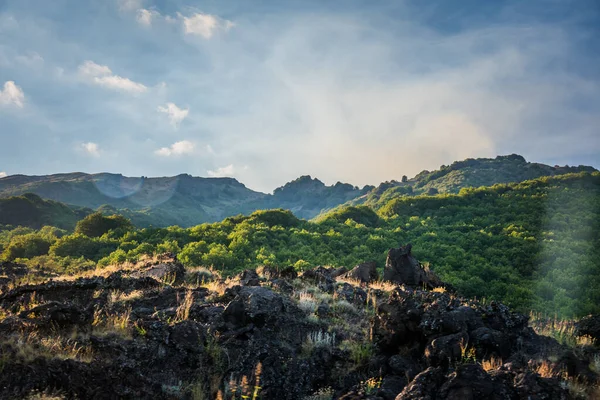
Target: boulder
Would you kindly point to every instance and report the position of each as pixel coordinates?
(471, 382)
(446, 349)
(254, 304)
(424, 386)
(171, 272)
(365, 272)
(401, 267)
(249, 277)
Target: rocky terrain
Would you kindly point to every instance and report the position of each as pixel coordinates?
(156, 330)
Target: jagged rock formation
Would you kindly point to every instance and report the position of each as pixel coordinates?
(136, 335)
(401, 267)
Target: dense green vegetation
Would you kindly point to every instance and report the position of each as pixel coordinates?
(30, 210)
(186, 201)
(181, 200)
(472, 172)
(534, 245)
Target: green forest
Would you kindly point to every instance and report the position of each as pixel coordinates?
(534, 245)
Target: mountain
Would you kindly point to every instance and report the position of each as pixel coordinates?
(32, 211)
(179, 200)
(307, 197)
(472, 172)
(185, 200)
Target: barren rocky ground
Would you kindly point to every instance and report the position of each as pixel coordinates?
(156, 330)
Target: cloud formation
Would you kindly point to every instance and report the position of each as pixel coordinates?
(175, 114)
(12, 95)
(228, 170)
(90, 148)
(30, 59)
(102, 75)
(3, 174)
(359, 94)
(145, 17)
(129, 5)
(205, 25)
(184, 147)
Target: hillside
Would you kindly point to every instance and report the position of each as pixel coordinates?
(29, 210)
(180, 200)
(186, 201)
(533, 245)
(472, 172)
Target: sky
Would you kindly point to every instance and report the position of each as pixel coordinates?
(265, 91)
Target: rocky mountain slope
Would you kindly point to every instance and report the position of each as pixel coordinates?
(158, 331)
(185, 200)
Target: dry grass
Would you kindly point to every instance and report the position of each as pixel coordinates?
(183, 310)
(105, 323)
(350, 281)
(32, 346)
(384, 286)
(546, 369)
(491, 364)
(218, 287)
(45, 395)
(564, 331)
(307, 302)
(117, 296)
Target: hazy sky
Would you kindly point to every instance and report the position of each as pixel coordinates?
(265, 91)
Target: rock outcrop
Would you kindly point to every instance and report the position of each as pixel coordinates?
(401, 267)
(365, 272)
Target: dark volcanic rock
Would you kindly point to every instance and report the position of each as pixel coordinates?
(257, 305)
(365, 272)
(590, 326)
(143, 336)
(171, 272)
(401, 267)
(424, 386)
(55, 314)
(249, 277)
(471, 382)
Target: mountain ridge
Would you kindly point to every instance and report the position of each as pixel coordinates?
(187, 200)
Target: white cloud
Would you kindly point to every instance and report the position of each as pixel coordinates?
(102, 75)
(145, 17)
(30, 59)
(205, 25)
(129, 5)
(228, 170)
(91, 148)
(3, 174)
(11, 95)
(177, 149)
(176, 114)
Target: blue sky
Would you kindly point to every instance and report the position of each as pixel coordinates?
(266, 91)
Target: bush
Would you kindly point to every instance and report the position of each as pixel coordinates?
(27, 246)
(96, 224)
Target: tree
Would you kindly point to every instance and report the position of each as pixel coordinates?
(96, 224)
(404, 178)
(27, 246)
